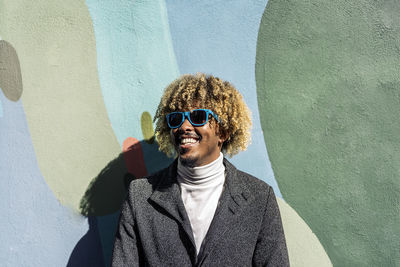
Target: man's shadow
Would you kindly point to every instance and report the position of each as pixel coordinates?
(102, 200)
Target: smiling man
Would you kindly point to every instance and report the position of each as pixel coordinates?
(201, 210)
(196, 141)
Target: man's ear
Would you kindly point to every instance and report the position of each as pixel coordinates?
(222, 138)
(221, 134)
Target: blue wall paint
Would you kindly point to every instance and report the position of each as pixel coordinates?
(1, 107)
(3, 97)
(135, 59)
(220, 38)
(37, 229)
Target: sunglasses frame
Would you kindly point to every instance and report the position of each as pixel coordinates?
(186, 114)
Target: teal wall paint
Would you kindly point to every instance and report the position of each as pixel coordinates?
(135, 59)
(328, 89)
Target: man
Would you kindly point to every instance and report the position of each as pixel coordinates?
(201, 210)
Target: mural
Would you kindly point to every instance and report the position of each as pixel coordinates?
(80, 82)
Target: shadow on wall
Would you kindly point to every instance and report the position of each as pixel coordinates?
(88, 251)
(106, 192)
(103, 198)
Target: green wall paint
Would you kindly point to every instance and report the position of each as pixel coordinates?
(328, 89)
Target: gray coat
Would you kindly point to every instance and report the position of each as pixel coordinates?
(154, 229)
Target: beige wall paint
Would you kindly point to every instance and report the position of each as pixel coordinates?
(69, 126)
(303, 245)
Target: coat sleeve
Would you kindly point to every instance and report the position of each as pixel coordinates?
(271, 247)
(126, 250)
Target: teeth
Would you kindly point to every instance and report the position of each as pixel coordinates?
(188, 141)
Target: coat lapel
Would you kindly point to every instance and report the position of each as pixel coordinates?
(167, 195)
(233, 201)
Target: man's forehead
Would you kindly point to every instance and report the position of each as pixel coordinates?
(194, 104)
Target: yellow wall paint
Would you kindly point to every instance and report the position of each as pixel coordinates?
(147, 127)
(69, 126)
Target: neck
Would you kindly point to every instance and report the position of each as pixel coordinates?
(203, 174)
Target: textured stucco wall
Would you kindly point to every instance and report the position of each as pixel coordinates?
(80, 82)
(62, 100)
(329, 94)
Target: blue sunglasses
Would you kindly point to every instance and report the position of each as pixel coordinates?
(197, 117)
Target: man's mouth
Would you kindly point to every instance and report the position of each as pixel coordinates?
(185, 141)
(188, 140)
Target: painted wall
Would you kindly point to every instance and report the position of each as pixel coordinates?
(80, 82)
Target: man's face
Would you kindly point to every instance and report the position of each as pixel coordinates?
(197, 145)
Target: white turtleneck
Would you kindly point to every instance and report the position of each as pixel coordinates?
(201, 188)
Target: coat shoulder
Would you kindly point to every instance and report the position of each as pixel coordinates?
(243, 182)
(145, 186)
(255, 185)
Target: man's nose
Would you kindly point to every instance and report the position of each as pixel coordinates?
(186, 125)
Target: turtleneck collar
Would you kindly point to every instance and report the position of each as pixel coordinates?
(202, 175)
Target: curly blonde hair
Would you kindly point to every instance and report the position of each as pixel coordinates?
(206, 91)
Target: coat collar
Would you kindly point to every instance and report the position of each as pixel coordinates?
(235, 197)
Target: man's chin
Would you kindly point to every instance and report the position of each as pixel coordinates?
(188, 161)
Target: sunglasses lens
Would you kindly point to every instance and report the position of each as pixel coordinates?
(198, 117)
(175, 119)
